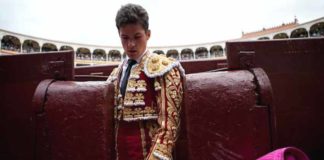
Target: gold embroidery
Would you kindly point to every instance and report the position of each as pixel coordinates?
(152, 127)
(127, 113)
(131, 83)
(116, 94)
(136, 71)
(139, 99)
(155, 59)
(129, 99)
(116, 138)
(164, 62)
(149, 111)
(155, 67)
(157, 85)
(141, 85)
(136, 85)
(137, 113)
(169, 120)
(113, 75)
(117, 98)
(164, 150)
(135, 74)
(159, 64)
(143, 138)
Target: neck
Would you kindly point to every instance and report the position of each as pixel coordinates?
(138, 59)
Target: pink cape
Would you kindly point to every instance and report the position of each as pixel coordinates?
(287, 153)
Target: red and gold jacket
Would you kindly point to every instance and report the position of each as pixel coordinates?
(154, 92)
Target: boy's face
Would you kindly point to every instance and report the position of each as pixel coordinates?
(134, 39)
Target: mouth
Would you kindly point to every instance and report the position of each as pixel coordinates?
(132, 51)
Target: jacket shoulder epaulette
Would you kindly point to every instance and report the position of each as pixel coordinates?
(113, 75)
(158, 65)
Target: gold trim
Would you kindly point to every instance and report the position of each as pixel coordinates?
(162, 116)
(159, 64)
(169, 120)
(139, 113)
(143, 138)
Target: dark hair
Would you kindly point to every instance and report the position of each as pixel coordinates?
(132, 14)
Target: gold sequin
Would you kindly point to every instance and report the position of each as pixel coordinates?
(155, 67)
(158, 64)
(155, 60)
(164, 62)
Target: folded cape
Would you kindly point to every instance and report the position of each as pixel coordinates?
(287, 153)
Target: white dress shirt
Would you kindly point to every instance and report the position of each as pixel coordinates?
(125, 64)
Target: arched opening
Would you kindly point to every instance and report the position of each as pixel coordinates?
(30, 46)
(317, 30)
(99, 55)
(216, 51)
(158, 52)
(281, 36)
(49, 47)
(83, 53)
(187, 54)
(173, 53)
(114, 55)
(263, 38)
(66, 48)
(299, 33)
(10, 43)
(201, 52)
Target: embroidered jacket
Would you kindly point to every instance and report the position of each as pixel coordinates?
(154, 92)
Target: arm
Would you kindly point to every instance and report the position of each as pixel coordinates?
(169, 100)
(113, 75)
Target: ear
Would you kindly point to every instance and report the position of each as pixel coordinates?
(148, 34)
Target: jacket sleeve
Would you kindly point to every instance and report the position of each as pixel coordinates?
(113, 75)
(169, 98)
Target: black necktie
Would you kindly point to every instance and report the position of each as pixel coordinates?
(124, 81)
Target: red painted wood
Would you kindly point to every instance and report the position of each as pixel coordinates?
(76, 121)
(98, 73)
(19, 77)
(224, 118)
(295, 69)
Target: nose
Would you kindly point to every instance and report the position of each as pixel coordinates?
(131, 43)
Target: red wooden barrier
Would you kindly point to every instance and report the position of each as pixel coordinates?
(99, 73)
(19, 77)
(74, 120)
(225, 115)
(295, 69)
